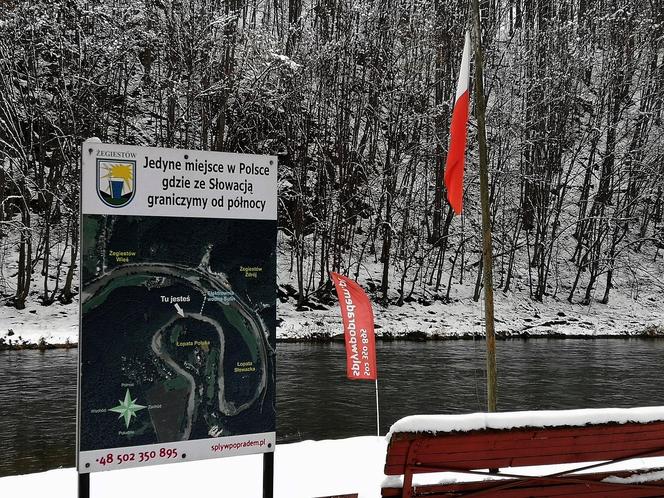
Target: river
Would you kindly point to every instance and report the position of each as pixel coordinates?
(315, 401)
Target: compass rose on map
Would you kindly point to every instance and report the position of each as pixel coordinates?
(127, 408)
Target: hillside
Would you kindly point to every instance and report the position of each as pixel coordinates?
(635, 309)
(355, 100)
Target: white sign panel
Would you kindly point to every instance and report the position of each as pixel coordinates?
(156, 454)
(149, 181)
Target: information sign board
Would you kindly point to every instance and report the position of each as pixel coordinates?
(178, 311)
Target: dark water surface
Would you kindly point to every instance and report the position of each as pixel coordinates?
(315, 401)
(37, 410)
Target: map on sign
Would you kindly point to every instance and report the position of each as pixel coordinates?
(177, 335)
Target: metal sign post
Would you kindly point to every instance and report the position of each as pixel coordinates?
(268, 475)
(83, 485)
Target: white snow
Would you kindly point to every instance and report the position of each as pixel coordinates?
(55, 324)
(638, 478)
(514, 420)
(302, 470)
(286, 60)
(515, 316)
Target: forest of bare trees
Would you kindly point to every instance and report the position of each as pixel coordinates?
(355, 98)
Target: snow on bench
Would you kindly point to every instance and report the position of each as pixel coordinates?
(474, 444)
(514, 420)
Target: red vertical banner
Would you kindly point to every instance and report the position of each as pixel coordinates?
(357, 316)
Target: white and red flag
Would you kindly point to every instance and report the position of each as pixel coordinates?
(358, 320)
(458, 132)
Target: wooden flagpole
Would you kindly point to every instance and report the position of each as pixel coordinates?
(377, 410)
(487, 258)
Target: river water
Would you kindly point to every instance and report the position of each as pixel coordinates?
(315, 401)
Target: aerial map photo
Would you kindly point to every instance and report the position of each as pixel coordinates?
(178, 329)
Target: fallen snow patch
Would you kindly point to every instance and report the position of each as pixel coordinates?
(638, 478)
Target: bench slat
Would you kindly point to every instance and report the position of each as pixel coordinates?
(492, 449)
(515, 462)
(514, 439)
(540, 488)
(543, 446)
(543, 489)
(584, 453)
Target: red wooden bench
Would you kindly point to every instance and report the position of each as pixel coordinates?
(477, 443)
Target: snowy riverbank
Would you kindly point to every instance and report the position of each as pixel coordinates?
(516, 316)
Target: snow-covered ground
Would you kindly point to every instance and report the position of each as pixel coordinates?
(302, 470)
(56, 324)
(515, 317)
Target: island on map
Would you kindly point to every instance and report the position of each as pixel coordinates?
(178, 329)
